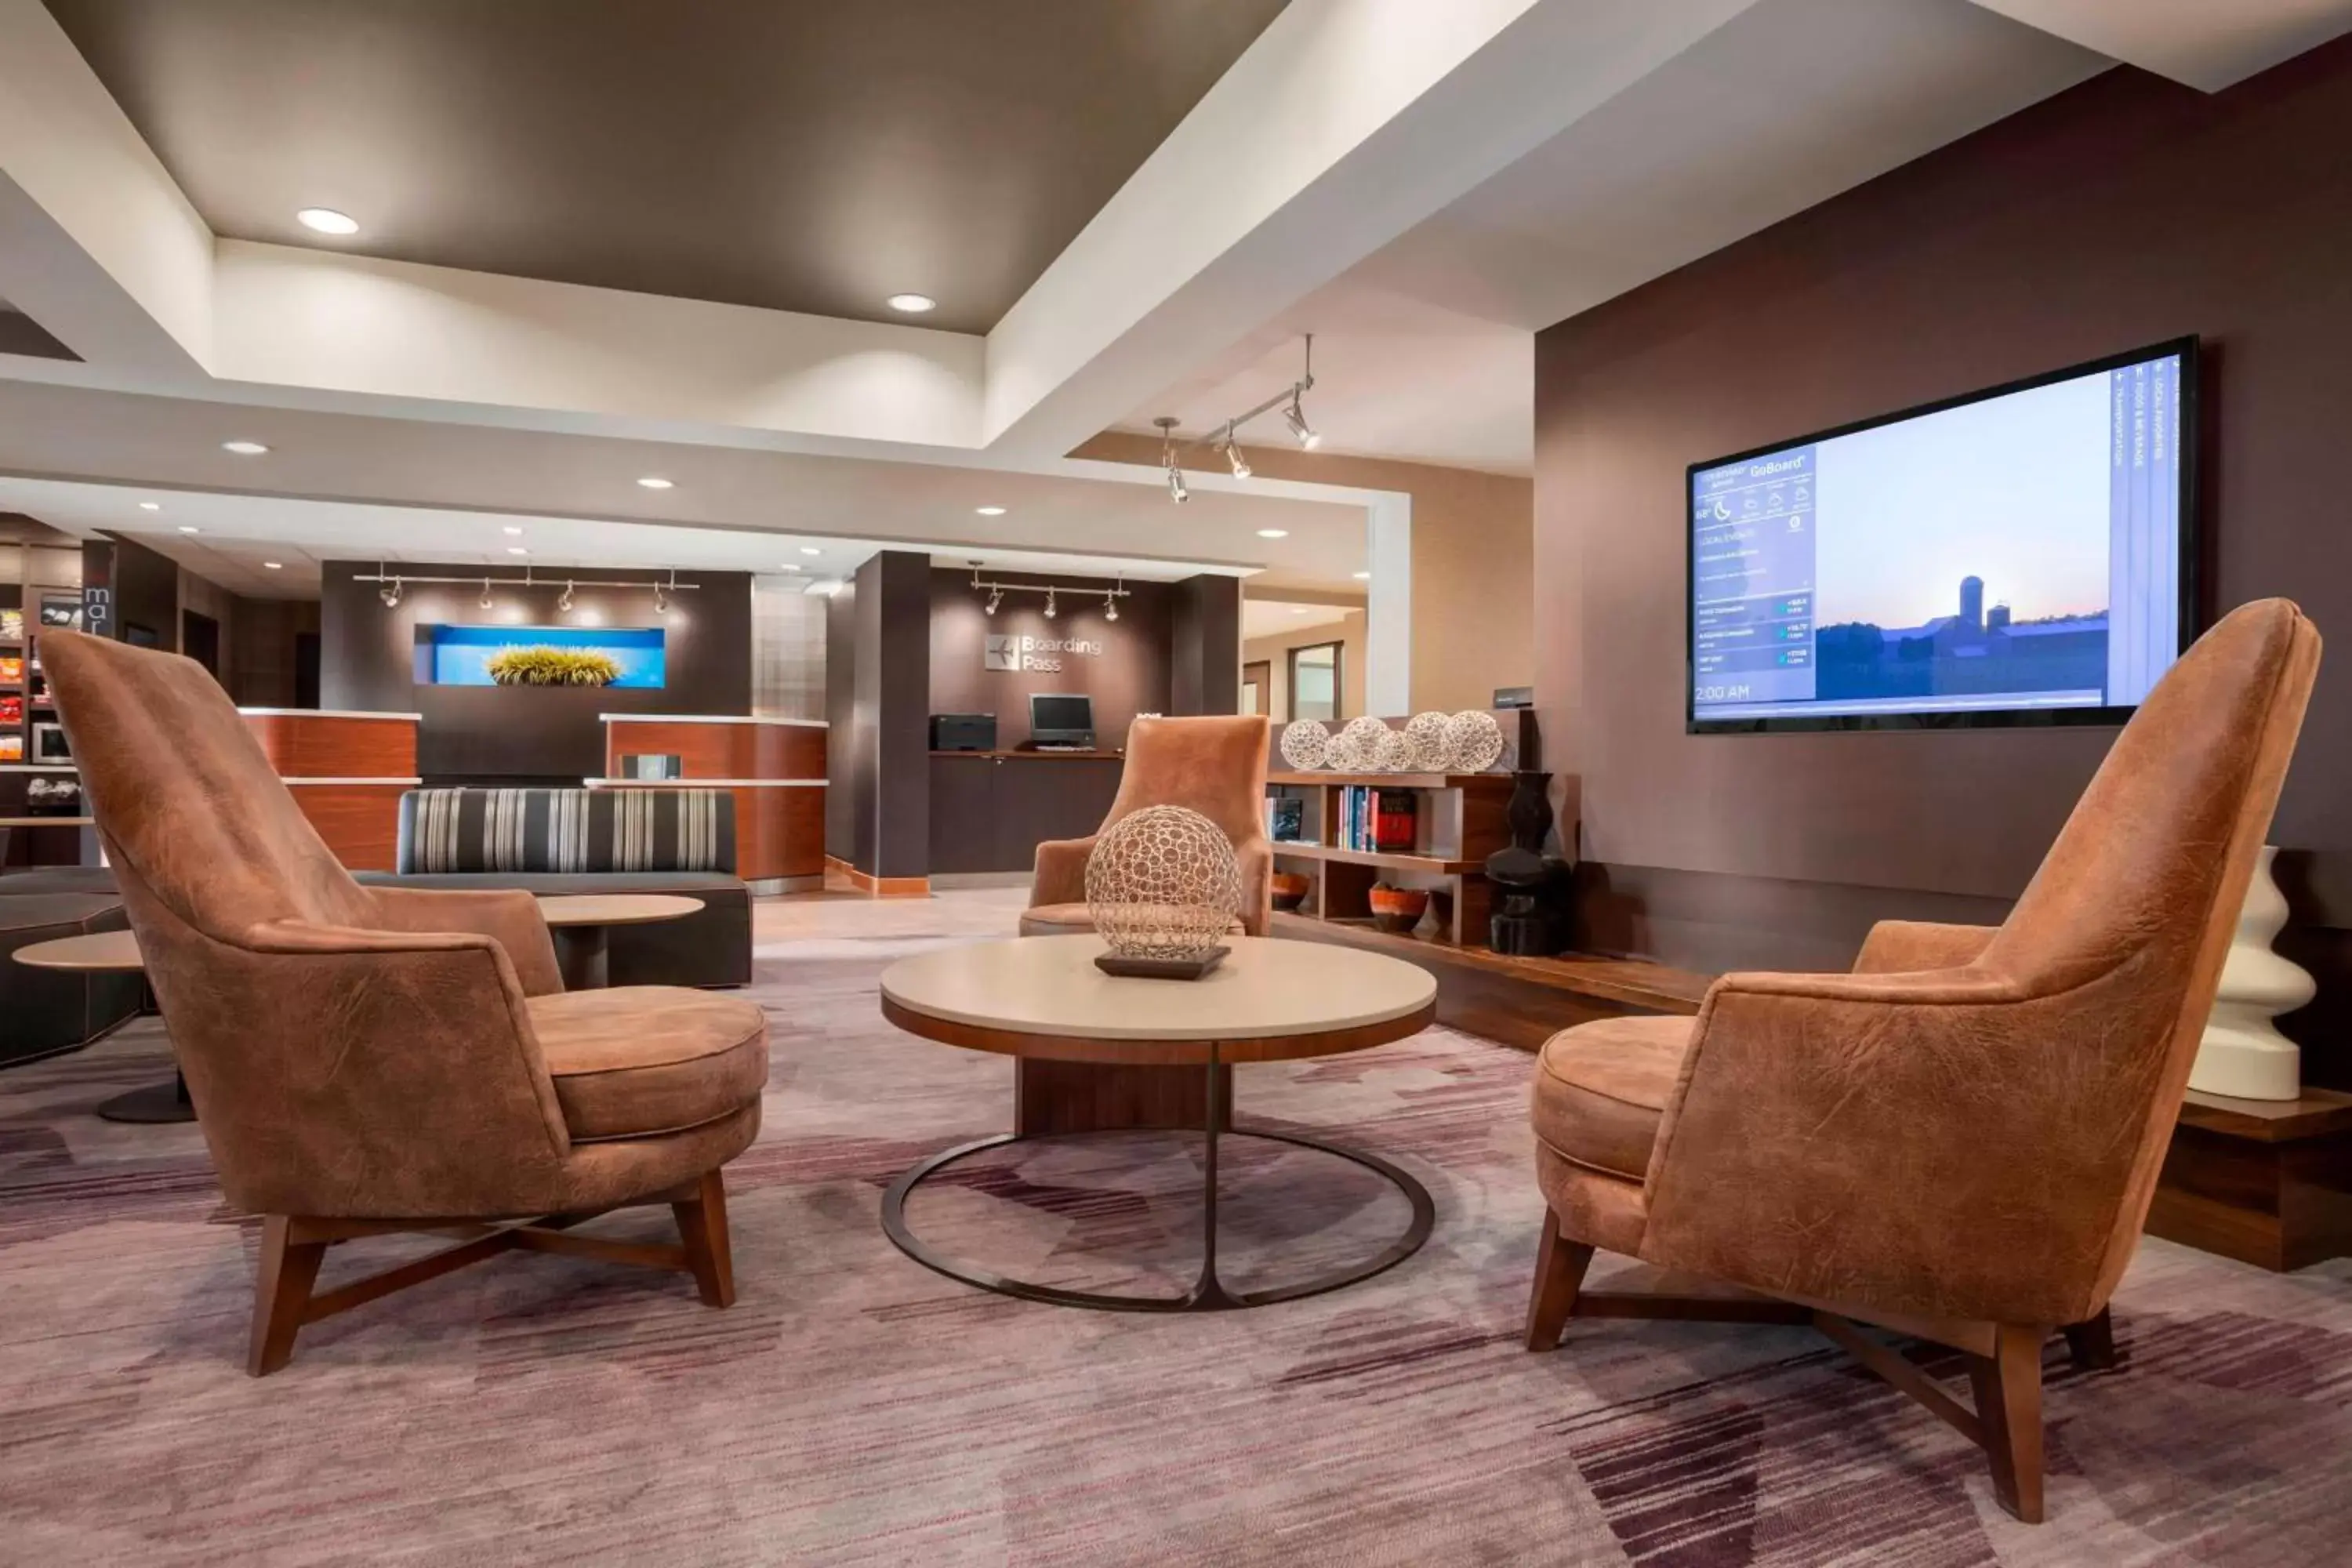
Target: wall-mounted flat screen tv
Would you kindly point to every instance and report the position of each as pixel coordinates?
(2018, 555)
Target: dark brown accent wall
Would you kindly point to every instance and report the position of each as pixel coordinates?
(2128, 210)
(1205, 672)
(878, 681)
(1130, 676)
(493, 734)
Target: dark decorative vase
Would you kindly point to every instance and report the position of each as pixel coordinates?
(1529, 924)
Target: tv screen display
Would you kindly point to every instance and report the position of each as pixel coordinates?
(2020, 555)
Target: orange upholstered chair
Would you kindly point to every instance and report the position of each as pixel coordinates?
(369, 1059)
(1215, 767)
(1958, 1139)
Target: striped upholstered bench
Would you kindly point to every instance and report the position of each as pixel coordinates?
(460, 830)
(596, 841)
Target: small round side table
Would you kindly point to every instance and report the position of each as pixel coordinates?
(114, 952)
(581, 925)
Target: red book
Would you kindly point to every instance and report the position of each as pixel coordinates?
(1395, 818)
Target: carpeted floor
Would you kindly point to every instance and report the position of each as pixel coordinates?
(855, 1408)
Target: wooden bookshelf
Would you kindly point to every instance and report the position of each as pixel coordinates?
(1460, 822)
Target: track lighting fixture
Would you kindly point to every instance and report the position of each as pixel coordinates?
(1052, 592)
(1296, 417)
(563, 604)
(389, 588)
(1227, 441)
(661, 601)
(1176, 490)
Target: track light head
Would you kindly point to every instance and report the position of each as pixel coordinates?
(661, 600)
(389, 594)
(1110, 606)
(1233, 455)
(1049, 604)
(486, 601)
(1296, 417)
(1176, 492)
(995, 598)
(564, 603)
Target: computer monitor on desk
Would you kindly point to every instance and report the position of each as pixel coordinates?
(1061, 724)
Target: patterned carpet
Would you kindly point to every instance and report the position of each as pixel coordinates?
(855, 1408)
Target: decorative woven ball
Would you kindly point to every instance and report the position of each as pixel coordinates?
(1356, 748)
(1162, 882)
(1475, 740)
(1426, 732)
(1395, 754)
(1305, 742)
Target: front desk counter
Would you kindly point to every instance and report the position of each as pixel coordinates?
(989, 810)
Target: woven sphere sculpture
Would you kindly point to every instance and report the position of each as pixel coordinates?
(1305, 742)
(1356, 748)
(1162, 882)
(1475, 740)
(1426, 732)
(1395, 754)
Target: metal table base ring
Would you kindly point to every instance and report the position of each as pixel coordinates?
(1208, 1294)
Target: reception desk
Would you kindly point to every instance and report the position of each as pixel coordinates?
(347, 770)
(774, 769)
(989, 810)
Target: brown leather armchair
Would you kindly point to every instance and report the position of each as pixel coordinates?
(368, 1059)
(1216, 766)
(1958, 1139)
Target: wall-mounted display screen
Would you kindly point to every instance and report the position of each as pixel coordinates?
(2020, 555)
(461, 654)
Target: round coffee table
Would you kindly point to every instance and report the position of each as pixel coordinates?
(1042, 1000)
(581, 925)
(114, 952)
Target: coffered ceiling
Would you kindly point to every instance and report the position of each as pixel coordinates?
(812, 157)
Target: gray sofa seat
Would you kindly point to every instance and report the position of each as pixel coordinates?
(45, 1011)
(710, 947)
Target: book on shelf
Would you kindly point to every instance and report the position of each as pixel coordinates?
(1382, 821)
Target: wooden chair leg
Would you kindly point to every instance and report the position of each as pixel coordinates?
(2091, 1343)
(2009, 1406)
(1560, 1274)
(282, 1292)
(702, 1226)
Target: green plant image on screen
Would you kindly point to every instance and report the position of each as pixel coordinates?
(553, 667)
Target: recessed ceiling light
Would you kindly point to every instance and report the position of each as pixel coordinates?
(1363, 576)
(150, 506)
(655, 482)
(511, 531)
(990, 510)
(187, 528)
(244, 448)
(811, 550)
(326, 220)
(1274, 533)
(273, 565)
(913, 304)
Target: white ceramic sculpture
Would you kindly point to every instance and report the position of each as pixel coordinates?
(1426, 732)
(1162, 882)
(1305, 745)
(1475, 740)
(2242, 1054)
